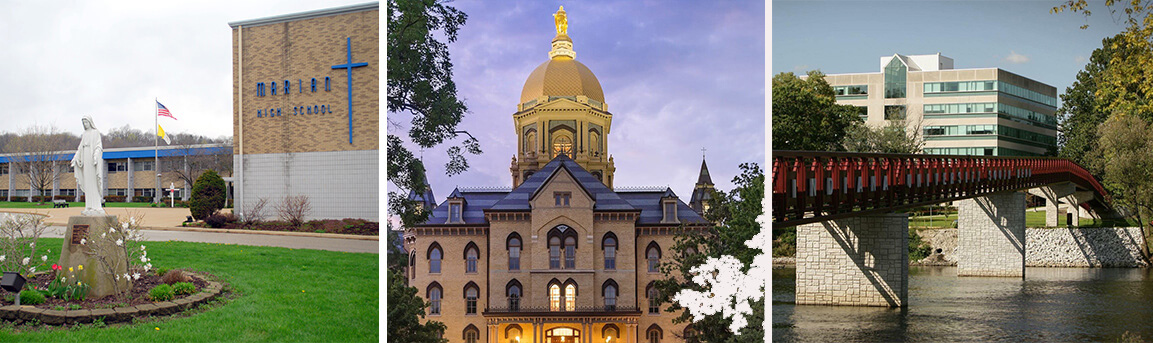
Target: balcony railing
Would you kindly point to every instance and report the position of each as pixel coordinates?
(577, 310)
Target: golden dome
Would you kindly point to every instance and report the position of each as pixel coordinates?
(562, 76)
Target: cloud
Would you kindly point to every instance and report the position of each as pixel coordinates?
(1079, 59)
(803, 67)
(1014, 57)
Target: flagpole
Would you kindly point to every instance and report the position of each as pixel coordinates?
(156, 147)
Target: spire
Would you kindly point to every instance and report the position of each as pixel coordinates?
(561, 44)
(426, 198)
(704, 178)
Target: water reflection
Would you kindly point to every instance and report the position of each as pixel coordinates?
(1051, 304)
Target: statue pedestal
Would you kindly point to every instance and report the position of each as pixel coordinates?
(73, 254)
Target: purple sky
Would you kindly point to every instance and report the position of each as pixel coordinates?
(677, 77)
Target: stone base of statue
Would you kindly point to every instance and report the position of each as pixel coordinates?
(89, 231)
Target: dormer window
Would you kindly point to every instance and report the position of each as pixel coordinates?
(670, 211)
(454, 213)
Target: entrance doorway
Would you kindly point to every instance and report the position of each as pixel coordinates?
(562, 335)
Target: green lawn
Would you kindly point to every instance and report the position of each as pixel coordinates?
(1032, 219)
(284, 295)
(18, 204)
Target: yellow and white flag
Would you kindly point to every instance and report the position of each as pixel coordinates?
(160, 132)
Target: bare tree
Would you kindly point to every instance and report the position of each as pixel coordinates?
(191, 158)
(37, 152)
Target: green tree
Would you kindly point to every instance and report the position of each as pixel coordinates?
(806, 115)
(405, 307)
(894, 138)
(1080, 114)
(1126, 160)
(420, 83)
(1127, 84)
(734, 215)
(208, 195)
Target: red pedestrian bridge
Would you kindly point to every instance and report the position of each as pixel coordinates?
(814, 186)
(852, 239)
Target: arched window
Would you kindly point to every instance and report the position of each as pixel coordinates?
(412, 265)
(570, 293)
(654, 298)
(609, 245)
(512, 333)
(609, 291)
(690, 333)
(564, 335)
(513, 292)
(653, 254)
(654, 334)
(471, 253)
(471, 293)
(611, 333)
(530, 141)
(513, 246)
(570, 252)
(435, 293)
(471, 334)
(562, 145)
(435, 254)
(554, 252)
(554, 297)
(594, 143)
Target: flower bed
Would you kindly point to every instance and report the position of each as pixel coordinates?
(337, 226)
(112, 309)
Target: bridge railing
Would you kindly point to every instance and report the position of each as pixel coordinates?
(811, 186)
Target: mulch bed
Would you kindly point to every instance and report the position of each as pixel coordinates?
(138, 295)
(337, 226)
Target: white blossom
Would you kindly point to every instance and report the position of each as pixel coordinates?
(32, 245)
(117, 277)
(83, 241)
(126, 276)
(31, 270)
(143, 259)
(3, 257)
(147, 267)
(142, 249)
(26, 261)
(102, 234)
(119, 242)
(124, 226)
(132, 220)
(61, 279)
(44, 258)
(136, 276)
(111, 230)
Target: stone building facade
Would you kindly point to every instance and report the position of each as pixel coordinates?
(562, 255)
(306, 99)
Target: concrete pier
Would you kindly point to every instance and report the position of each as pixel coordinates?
(991, 235)
(859, 261)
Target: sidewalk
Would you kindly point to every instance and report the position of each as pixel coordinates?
(163, 224)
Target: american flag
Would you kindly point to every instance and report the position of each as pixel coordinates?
(163, 111)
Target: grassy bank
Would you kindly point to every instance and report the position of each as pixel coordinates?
(284, 294)
(1032, 219)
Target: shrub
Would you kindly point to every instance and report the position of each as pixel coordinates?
(31, 297)
(161, 293)
(68, 198)
(141, 198)
(184, 288)
(161, 271)
(115, 198)
(19, 199)
(216, 220)
(208, 195)
(918, 249)
(174, 276)
(254, 213)
(294, 209)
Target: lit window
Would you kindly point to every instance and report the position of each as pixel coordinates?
(554, 297)
(562, 145)
(570, 297)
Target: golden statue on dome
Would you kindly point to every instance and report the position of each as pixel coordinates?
(561, 22)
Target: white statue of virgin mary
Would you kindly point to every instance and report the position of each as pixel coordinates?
(89, 163)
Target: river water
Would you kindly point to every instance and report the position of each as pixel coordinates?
(1049, 305)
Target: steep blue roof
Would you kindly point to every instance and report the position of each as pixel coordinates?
(604, 198)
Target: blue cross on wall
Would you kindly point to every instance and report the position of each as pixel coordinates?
(348, 66)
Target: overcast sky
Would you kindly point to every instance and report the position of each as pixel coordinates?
(109, 59)
(677, 76)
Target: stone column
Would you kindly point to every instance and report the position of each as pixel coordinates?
(858, 261)
(492, 333)
(1053, 195)
(632, 335)
(991, 235)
